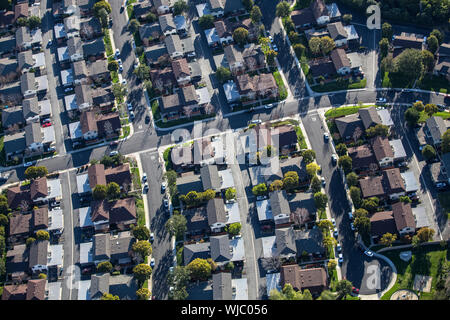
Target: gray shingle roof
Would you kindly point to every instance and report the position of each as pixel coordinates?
(279, 203)
(33, 133)
(197, 250)
(285, 241)
(12, 116)
(222, 286)
(99, 285)
(369, 116)
(216, 211)
(30, 107)
(220, 248)
(437, 127)
(210, 177)
(38, 253)
(173, 43)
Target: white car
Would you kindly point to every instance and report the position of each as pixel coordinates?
(152, 262)
(326, 136)
(368, 253)
(166, 203)
(145, 187)
(152, 237)
(117, 53)
(130, 106)
(113, 153)
(350, 215)
(269, 106)
(333, 221)
(119, 61)
(352, 226)
(338, 248)
(120, 68)
(322, 179)
(335, 233)
(341, 258)
(163, 187)
(381, 100)
(144, 177)
(124, 82)
(256, 121)
(271, 39)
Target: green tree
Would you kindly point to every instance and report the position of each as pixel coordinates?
(230, 193)
(42, 276)
(33, 22)
(133, 26)
(30, 241)
(4, 207)
(445, 145)
(409, 64)
(119, 90)
(199, 269)
(233, 229)
(283, 9)
(208, 195)
(290, 180)
(141, 233)
(260, 189)
(347, 18)
(270, 57)
(142, 72)
(388, 239)
(248, 4)
(178, 279)
(432, 43)
(255, 15)
(370, 204)
(102, 4)
(341, 149)
(42, 235)
(326, 45)
(113, 190)
(176, 225)
(325, 225)
(419, 106)
(294, 37)
(102, 16)
(428, 60)
(378, 130)
(143, 248)
(206, 21)
(314, 45)
(436, 33)
(316, 185)
(384, 47)
(362, 224)
(104, 267)
(425, 234)
(428, 152)
(321, 200)
(308, 155)
(327, 295)
(223, 74)
(312, 168)
(240, 36)
(299, 49)
(3, 220)
(345, 162)
(113, 65)
(386, 31)
(412, 116)
(35, 172)
(109, 296)
(21, 22)
(151, 17)
(100, 191)
(355, 194)
(343, 288)
(143, 294)
(332, 263)
(352, 179)
(179, 7)
(328, 241)
(431, 109)
(276, 185)
(405, 199)
(142, 272)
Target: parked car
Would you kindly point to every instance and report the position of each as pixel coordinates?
(340, 258)
(118, 54)
(333, 221)
(269, 106)
(51, 149)
(335, 233)
(29, 163)
(49, 43)
(355, 290)
(334, 159)
(152, 237)
(114, 144)
(147, 119)
(326, 136)
(163, 187)
(352, 226)
(166, 203)
(256, 121)
(322, 179)
(47, 124)
(368, 253)
(274, 47)
(381, 100)
(350, 215)
(145, 187)
(144, 177)
(338, 248)
(441, 185)
(271, 39)
(120, 68)
(131, 115)
(113, 153)
(129, 106)
(152, 262)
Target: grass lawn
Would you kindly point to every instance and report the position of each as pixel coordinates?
(343, 111)
(136, 178)
(126, 132)
(336, 86)
(172, 123)
(140, 212)
(168, 158)
(107, 40)
(300, 138)
(2, 152)
(424, 116)
(282, 91)
(282, 123)
(155, 110)
(322, 214)
(434, 83)
(444, 200)
(180, 248)
(425, 261)
(115, 76)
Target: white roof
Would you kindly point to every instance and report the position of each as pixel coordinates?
(75, 130)
(204, 96)
(49, 134)
(421, 217)
(55, 255)
(385, 117)
(273, 282)
(83, 289)
(227, 179)
(268, 244)
(264, 210)
(42, 82)
(333, 10)
(202, 9)
(54, 187)
(66, 77)
(411, 183)
(355, 59)
(351, 32)
(55, 219)
(212, 36)
(238, 249)
(45, 107)
(63, 54)
(70, 102)
(36, 35)
(399, 150)
(233, 212)
(54, 290)
(85, 217)
(60, 31)
(83, 183)
(180, 22)
(39, 60)
(86, 252)
(231, 91)
(241, 288)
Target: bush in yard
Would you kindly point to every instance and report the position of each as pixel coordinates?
(430, 109)
(199, 269)
(276, 185)
(142, 272)
(412, 116)
(294, 38)
(229, 266)
(104, 267)
(36, 172)
(3, 220)
(347, 18)
(109, 296)
(341, 149)
(384, 47)
(344, 288)
(141, 233)
(355, 195)
(179, 7)
(433, 43)
(133, 26)
(113, 190)
(119, 90)
(370, 204)
(332, 264)
(42, 276)
(100, 191)
(352, 179)
(386, 31)
(206, 21)
(102, 5)
(230, 193)
(419, 106)
(312, 168)
(21, 22)
(176, 225)
(260, 189)
(299, 49)
(29, 241)
(223, 74)
(316, 185)
(113, 65)
(405, 199)
(143, 248)
(425, 234)
(290, 180)
(143, 294)
(387, 239)
(234, 229)
(240, 36)
(378, 130)
(283, 9)
(428, 152)
(208, 195)
(345, 162)
(142, 72)
(33, 22)
(255, 15)
(42, 235)
(320, 199)
(308, 156)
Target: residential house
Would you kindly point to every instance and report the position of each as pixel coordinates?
(99, 285)
(313, 279)
(383, 152)
(216, 8)
(12, 119)
(285, 243)
(404, 218)
(162, 6)
(337, 33)
(435, 128)
(90, 29)
(262, 85)
(14, 145)
(231, 91)
(98, 71)
(188, 47)
(389, 185)
(38, 256)
(181, 26)
(72, 26)
(181, 71)
(220, 250)
(173, 45)
(7, 46)
(369, 117)
(99, 175)
(34, 139)
(142, 9)
(149, 33)
(212, 37)
(235, 60)
(116, 249)
(95, 126)
(7, 20)
(254, 58)
(85, 7)
(224, 32)
(119, 214)
(247, 24)
(363, 159)
(285, 137)
(75, 49)
(32, 290)
(198, 250)
(196, 222)
(163, 79)
(348, 125)
(381, 223)
(280, 208)
(340, 61)
(210, 178)
(83, 95)
(217, 217)
(94, 49)
(60, 33)
(104, 99)
(80, 73)
(155, 54)
(9, 70)
(442, 66)
(17, 263)
(21, 10)
(167, 24)
(222, 286)
(407, 41)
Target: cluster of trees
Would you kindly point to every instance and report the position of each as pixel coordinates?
(361, 221)
(31, 22)
(142, 272)
(194, 198)
(180, 7)
(42, 235)
(110, 191)
(143, 72)
(109, 161)
(141, 232)
(206, 21)
(378, 130)
(423, 235)
(36, 172)
(412, 114)
(102, 9)
(410, 64)
(176, 225)
(346, 163)
(178, 280)
(119, 90)
(240, 36)
(288, 293)
(322, 45)
(223, 74)
(269, 53)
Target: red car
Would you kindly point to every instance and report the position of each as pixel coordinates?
(47, 124)
(355, 290)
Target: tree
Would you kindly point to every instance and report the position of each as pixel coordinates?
(142, 72)
(240, 36)
(260, 189)
(102, 4)
(378, 130)
(405, 199)
(119, 90)
(370, 204)
(362, 224)
(345, 162)
(428, 60)
(208, 195)
(151, 17)
(419, 106)
(143, 294)
(347, 18)
(326, 45)
(142, 272)
(179, 7)
(133, 26)
(431, 109)
(432, 43)
(425, 234)
(343, 288)
(102, 16)
(316, 185)
(327, 295)
(409, 64)
(3, 220)
(384, 47)
(352, 179)
(30, 241)
(314, 45)
(320, 200)
(299, 49)
(428, 152)
(104, 267)
(276, 185)
(387, 239)
(341, 149)
(360, 213)
(141, 233)
(445, 145)
(248, 4)
(223, 74)
(113, 190)
(206, 21)
(36, 172)
(436, 33)
(283, 9)
(100, 191)
(308, 155)
(288, 293)
(230, 193)
(176, 225)
(109, 296)
(290, 180)
(294, 37)
(42, 276)
(412, 116)
(355, 194)
(270, 57)
(199, 269)
(42, 235)
(332, 263)
(255, 15)
(386, 31)
(312, 168)
(33, 22)
(328, 241)
(325, 225)
(179, 279)
(113, 65)
(143, 248)
(21, 22)
(229, 266)
(234, 229)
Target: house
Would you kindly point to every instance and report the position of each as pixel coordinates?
(220, 249)
(162, 6)
(99, 285)
(150, 32)
(6, 20)
(381, 223)
(196, 71)
(235, 59)
(385, 117)
(210, 178)
(142, 9)
(372, 187)
(85, 7)
(212, 37)
(104, 98)
(180, 24)
(363, 159)
(90, 29)
(117, 249)
(27, 60)
(313, 279)
(247, 24)
(224, 32)
(217, 217)
(310, 242)
(7, 46)
(320, 12)
(199, 250)
(285, 243)
(155, 54)
(222, 286)
(98, 71)
(442, 66)
(369, 117)
(17, 263)
(188, 47)
(404, 218)
(262, 85)
(303, 19)
(28, 85)
(231, 91)
(407, 41)
(99, 175)
(83, 96)
(383, 152)
(12, 119)
(34, 138)
(95, 126)
(118, 214)
(38, 256)
(340, 61)
(197, 222)
(216, 8)
(280, 207)
(21, 10)
(435, 128)
(337, 33)
(94, 49)
(14, 145)
(297, 165)
(9, 70)
(72, 26)
(348, 125)
(285, 137)
(173, 45)
(60, 33)
(181, 71)
(75, 49)
(32, 290)
(163, 78)
(393, 183)
(167, 24)
(254, 58)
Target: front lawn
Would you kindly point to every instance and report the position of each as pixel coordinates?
(424, 116)
(339, 85)
(107, 40)
(171, 123)
(140, 212)
(300, 138)
(343, 111)
(125, 132)
(136, 178)
(155, 110)
(282, 91)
